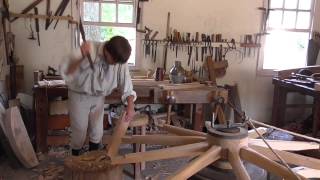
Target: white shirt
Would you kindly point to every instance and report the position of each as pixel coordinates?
(103, 80)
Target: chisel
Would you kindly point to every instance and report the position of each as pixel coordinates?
(81, 29)
(197, 41)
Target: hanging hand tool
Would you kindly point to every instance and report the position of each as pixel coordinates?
(221, 57)
(81, 29)
(139, 11)
(64, 5)
(190, 54)
(155, 52)
(197, 43)
(31, 37)
(154, 35)
(49, 13)
(219, 38)
(216, 54)
(166, 45)
(209, 45)
(37, 25)
(61, 8)
(203, 48)
(28, 8)
(250, 42)
(152, 48)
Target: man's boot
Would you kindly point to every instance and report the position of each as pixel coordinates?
(76, 152)
(93, 146)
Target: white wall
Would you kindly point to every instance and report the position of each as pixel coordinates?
(55, 44)
(232, 18)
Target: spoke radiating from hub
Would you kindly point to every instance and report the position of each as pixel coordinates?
(189, 150)
(262, 161)
(213, 154)
(237, 166)
(182, 131)
(289, 157)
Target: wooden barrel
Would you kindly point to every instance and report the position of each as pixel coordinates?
(93, 165)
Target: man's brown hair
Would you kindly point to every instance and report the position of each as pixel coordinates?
(119, 48)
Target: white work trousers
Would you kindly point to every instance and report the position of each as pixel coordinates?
(86, 114)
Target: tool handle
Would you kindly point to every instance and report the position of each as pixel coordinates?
(36, 20)
(81, 29)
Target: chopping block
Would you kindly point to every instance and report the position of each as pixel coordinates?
(93, 165)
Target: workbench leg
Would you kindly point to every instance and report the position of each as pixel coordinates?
(279, 106)
(198, 122)
(137, 166)
(316, 116)
(143, 147)
(41, 110)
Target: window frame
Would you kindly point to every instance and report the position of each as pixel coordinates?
(116, 23)
(260, 57)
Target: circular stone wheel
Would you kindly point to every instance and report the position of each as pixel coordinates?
(93, 165)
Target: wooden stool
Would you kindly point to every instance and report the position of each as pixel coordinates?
(93, 165)
(139, 122)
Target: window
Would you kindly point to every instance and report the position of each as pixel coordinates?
(104, 19)
(288, 27)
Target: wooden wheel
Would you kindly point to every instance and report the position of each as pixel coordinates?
(233, 144)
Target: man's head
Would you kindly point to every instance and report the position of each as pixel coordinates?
(117, 50)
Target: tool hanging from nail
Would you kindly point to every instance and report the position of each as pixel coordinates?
(31, 37)
(155, 52)
(28, 8)
(197, 48)
(37, 25)
(61, 8)
(49, 13)
(81, 29)
(190, 54)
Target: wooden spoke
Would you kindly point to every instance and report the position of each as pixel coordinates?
(199, 163)
(163, 139)
(119, 131)
(286, 145)
(252, 133)
(262, 161)
(237, 165)
(167, 153)
(182, 131)
(289, 157)
(307, 172)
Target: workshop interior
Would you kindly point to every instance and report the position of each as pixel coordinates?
(194, 90)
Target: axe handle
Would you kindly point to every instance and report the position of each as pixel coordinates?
(81, 29)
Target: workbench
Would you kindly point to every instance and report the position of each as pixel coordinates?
(281, 89)
(148, 92)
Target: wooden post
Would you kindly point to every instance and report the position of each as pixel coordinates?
(198, 122)
(316, 116)
(41, 107)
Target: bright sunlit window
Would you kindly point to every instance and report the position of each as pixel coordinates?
(289, 28)
(104, 19)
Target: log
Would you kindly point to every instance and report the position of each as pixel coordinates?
(94, 165)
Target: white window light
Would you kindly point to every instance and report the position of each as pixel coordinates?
(289, 26)
(104, 19)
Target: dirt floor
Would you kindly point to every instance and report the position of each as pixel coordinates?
(51, 166)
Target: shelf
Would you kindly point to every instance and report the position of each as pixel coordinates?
(200, 44)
